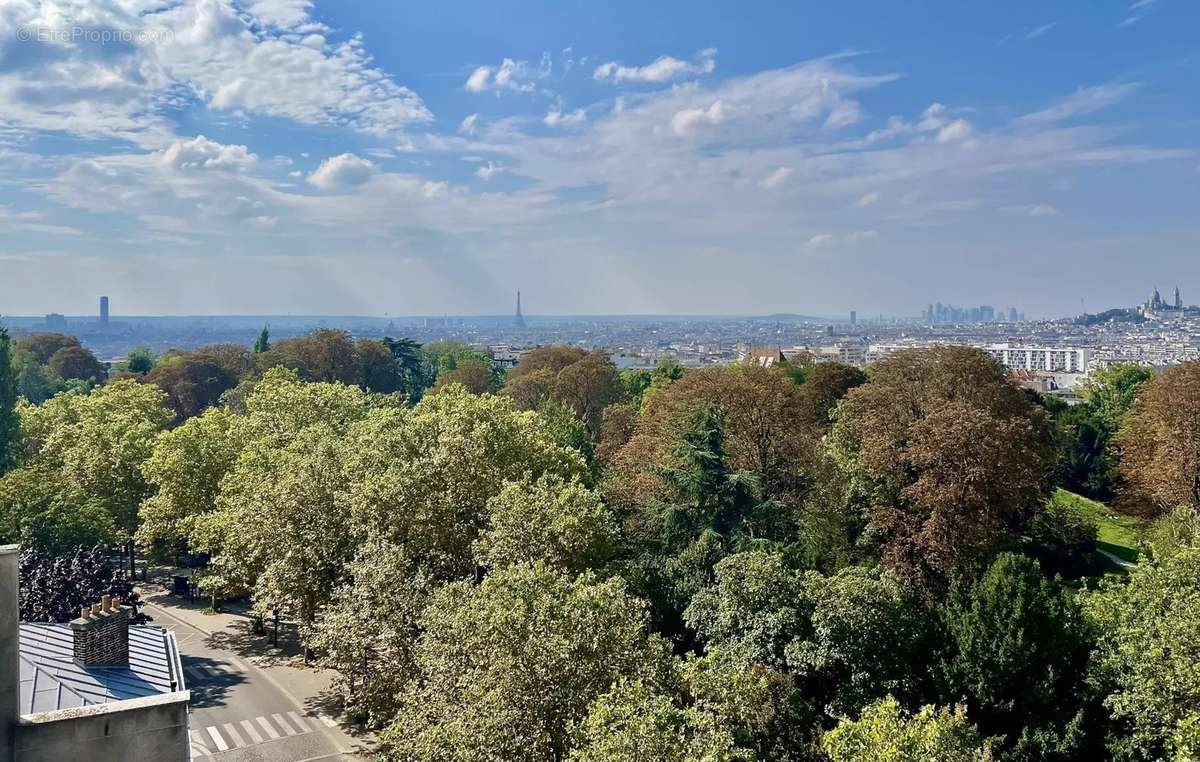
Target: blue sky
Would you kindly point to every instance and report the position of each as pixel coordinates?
(281, 156)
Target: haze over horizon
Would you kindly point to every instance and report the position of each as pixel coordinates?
(286, 157)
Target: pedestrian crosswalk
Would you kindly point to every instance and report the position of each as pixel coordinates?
(200, 671)
(214, 739)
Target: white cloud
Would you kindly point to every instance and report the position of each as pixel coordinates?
(777, 178)
(558, 118)
(820, 241)
(487, 171)
(867, 199)
(687, 121)
(661, 69)
(1036, 210)
(342, 171)
(1039, 31)
(202, 153)
(1083, 101)
(467, 126)
(509, 75)
(256, 58)
(859, 236)
(956, 131)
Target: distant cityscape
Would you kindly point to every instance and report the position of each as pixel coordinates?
(1050, 355)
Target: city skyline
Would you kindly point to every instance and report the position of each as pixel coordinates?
(611, 160)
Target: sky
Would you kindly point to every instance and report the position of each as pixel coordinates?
(680, 156)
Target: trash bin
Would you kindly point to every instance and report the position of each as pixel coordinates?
(180, 585)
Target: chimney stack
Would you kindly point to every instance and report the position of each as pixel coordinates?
(101, 634)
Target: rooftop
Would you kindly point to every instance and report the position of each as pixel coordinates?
(51, 680)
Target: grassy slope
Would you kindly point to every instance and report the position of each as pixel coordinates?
(1118, 533)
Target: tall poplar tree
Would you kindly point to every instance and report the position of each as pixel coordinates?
(10, 429)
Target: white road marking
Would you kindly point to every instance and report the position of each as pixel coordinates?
(283, 724)
(300, 723)
(217, 739)
(231, 731)
(250, 731)
(329, 723)
(267, 727)
(198, 747)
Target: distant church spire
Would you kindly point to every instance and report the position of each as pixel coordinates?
(519, 321)
(1178, 299)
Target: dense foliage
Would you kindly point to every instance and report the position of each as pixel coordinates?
(567, 562)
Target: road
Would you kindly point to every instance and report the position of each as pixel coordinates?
(239, 713)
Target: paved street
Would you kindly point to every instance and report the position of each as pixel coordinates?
(239, 712)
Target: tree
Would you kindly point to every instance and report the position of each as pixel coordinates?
(562, 523)
(1112, 391)
(55, 589)
(369, 631)
(589, 385)
(475, 375)
(1148, 649)
(185, 470)
(140, 361)
(40, 510)
(325, 355)
(75, 362)
(191, 384)
(754, 610)
(1018, 651)
(824, 386)
(764, 431)
(672, 545)
(378, 370)
(946, 458)
(42, 346)
(415, 366)
(263, 342)
(868, 640)
(764, 709)
(1063, 538)
(10, 425)
(423, 477)
(98, 442)
(1159, 443)
(886, 733)
(633, 721)
(510, 666)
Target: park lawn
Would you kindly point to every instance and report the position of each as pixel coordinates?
(1118, 533)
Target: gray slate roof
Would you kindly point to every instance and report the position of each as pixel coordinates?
(50, 678)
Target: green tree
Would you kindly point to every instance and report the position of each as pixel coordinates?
(1112, 391)
(509, 667)
(562, 523)
(98, 442)
(42, 346)
(634, 722)
(185, 470)
(140, 361)
(10, 425)
(868, 639)
(1148, 652)
(369, 631)
(263, 342)
(886, 733)
(1018, 650)
(40, 510)
(423, 477)
(754, 610)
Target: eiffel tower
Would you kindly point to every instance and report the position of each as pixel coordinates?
(519, 320)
